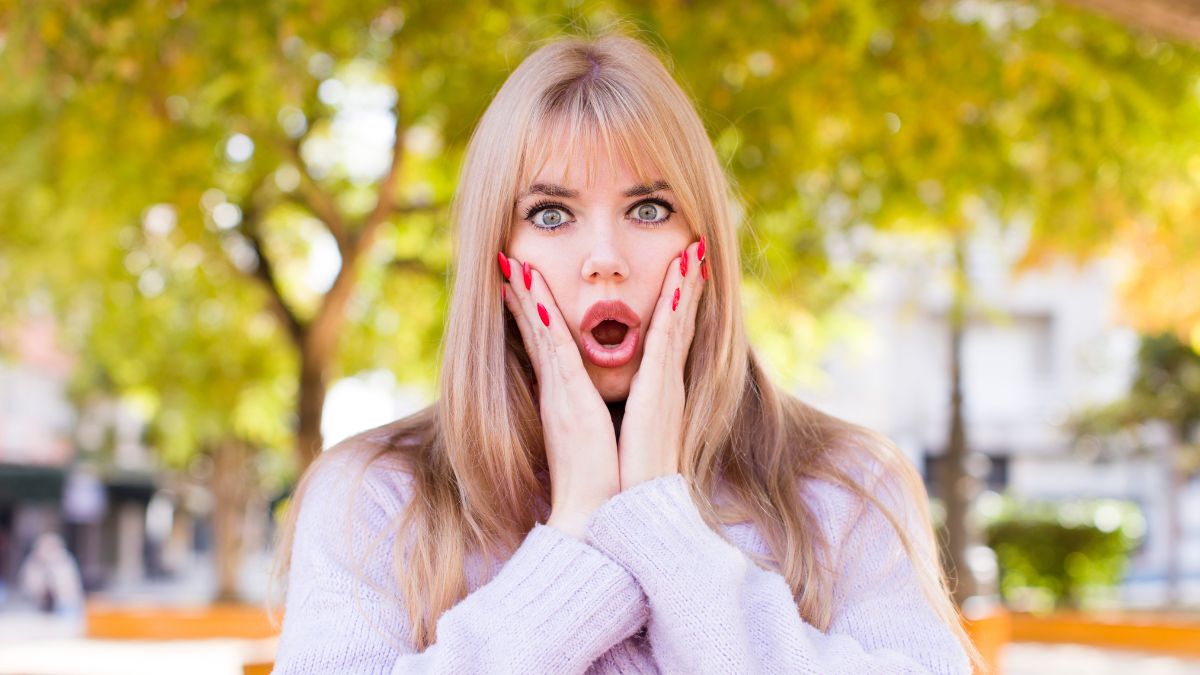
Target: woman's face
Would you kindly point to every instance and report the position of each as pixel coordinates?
(611, 240)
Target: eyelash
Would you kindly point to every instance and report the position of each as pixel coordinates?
(529, 213)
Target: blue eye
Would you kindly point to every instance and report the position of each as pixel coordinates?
(645, 211)
(550, 222)
(651, 212)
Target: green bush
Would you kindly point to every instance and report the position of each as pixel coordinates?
(1061, 554)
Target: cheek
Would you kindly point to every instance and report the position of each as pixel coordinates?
(540, 255)
(559, 269)
(656, 260)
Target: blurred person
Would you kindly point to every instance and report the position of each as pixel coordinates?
(49, 577)
(5, 542)
(609, 482)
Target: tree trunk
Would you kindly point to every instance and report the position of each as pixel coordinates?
(956, 482)
(310, 407)
(233, 481)
(1174, 530)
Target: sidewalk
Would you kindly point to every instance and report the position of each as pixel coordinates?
(1023, 658)
(36, 644)
(58, 656)
(23, 626)
(32, 643)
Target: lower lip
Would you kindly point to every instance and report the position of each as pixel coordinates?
(610, 358)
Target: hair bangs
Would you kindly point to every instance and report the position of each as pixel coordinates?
(596, 121)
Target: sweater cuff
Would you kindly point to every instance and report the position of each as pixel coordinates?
(656, 532)
(582, 601)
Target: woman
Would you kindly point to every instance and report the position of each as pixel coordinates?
(608, 482)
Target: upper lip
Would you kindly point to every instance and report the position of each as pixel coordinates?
(609, 309)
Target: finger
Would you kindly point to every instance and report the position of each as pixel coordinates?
(659, 335)
(675, 313)
(516, 306)
(692, 290)
(544, 325)
(550, 315)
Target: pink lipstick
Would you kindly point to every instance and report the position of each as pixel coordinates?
(610, 333)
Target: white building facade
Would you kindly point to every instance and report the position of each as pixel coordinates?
(1038, 347)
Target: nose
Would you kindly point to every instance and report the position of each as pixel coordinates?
(605, 258)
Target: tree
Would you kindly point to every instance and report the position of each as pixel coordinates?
(195, 151)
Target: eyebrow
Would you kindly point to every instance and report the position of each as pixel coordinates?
(552, 190)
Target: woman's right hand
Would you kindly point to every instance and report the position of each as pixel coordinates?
(581, 443)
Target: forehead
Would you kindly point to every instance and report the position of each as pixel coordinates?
(584, 160)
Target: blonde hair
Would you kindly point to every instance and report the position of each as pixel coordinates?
(475, 454)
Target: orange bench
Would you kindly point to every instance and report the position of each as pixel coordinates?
(251, 622)
(990, 633)
(229, 621)
(1177, 634)
(115, 622)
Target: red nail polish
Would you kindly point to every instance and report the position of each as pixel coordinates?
(704, 271)
(675, 300)
(528, 276)
(504, 266)
(683, 262)
(700, 250)
(544, 314)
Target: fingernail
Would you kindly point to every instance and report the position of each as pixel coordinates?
(683, 262)
(528, 276)
(544, 314)
(675, 300)
(704, 271)
(700, 250)
(504, 266)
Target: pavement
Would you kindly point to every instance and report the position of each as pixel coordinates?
(31, 645)
(1026, 658)
(60, 656)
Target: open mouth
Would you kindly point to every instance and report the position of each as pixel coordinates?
(610, 333)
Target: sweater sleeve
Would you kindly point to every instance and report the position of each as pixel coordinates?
(555, 606)
(713, 610)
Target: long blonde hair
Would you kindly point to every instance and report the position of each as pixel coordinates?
(475, 454)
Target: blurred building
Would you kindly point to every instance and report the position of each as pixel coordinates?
(83, 473)
(1038, 347)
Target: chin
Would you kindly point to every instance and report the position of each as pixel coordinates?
(613, 384)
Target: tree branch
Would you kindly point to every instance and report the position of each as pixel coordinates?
(412, 265)
(1178, 19)
(264, 271)
(408, 209)
(325, 327)
(385, 201)
(317, 200)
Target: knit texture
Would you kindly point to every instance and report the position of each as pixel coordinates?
(652, 590)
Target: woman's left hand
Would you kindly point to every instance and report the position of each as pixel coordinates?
(652, 427)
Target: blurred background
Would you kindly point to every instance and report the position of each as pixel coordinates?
(968, 224)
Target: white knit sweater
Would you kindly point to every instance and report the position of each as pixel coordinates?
(653, 589)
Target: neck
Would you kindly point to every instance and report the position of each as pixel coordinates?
(617, 410)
